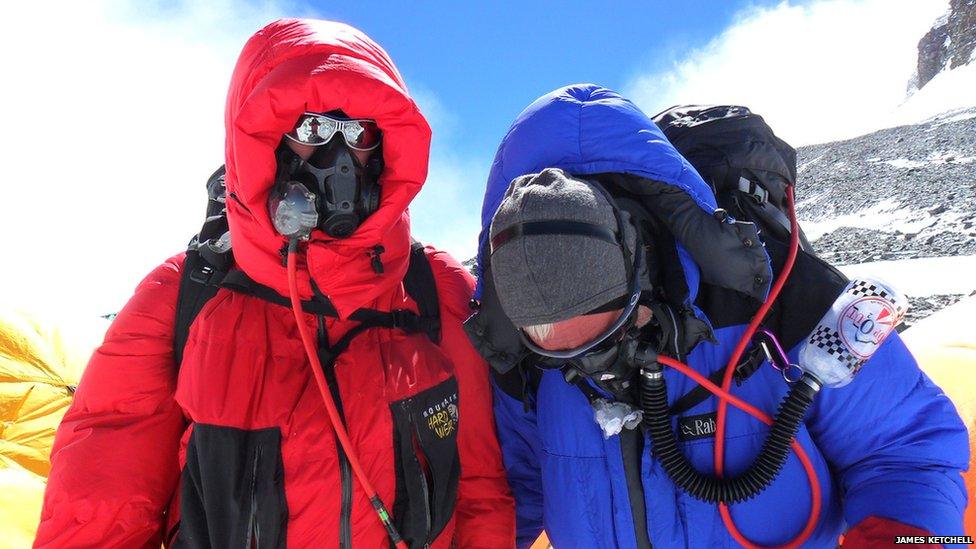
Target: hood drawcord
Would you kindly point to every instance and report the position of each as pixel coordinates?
(375, 260)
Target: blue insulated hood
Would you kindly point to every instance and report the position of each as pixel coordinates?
(586, 129)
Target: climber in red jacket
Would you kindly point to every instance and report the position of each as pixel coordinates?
(229, 439)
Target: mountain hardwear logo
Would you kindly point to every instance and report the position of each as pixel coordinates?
(442, 417)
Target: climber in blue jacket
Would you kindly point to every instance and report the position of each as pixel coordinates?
(593, 227)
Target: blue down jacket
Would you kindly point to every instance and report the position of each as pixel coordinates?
(890, 444)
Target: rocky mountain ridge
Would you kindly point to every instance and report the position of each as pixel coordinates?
(949, 44)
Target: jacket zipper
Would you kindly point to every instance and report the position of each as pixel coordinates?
(424, 482)
(171, 535)
(253, 538)
(677, 348)
(426, 487)
(415, 434)
(345, 470)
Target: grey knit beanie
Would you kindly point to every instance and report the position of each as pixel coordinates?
(547, 278)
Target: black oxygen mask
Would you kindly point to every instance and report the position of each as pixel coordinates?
(331, 191)
(347, 194)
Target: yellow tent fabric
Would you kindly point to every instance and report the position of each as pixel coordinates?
(945, 346)
(40, 365)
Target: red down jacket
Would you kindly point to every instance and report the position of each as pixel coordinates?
(238, 450)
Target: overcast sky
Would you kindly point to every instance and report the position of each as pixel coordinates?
(111, 116)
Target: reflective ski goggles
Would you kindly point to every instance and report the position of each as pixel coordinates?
(601, 344)
(318, 129)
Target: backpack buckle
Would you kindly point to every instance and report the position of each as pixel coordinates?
(404, 319)
(203, 274)
(754, 190)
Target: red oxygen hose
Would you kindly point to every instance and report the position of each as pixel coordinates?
(340, 430)
(726, 398)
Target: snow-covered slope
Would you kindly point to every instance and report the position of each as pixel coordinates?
(950, 91)
(886, 202)
(901, 192)
(900, 203)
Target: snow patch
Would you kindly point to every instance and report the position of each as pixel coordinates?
(966, 115)
(887, 215)
(934, 157)
(904, 163)
(915, 277)
(949, 157)
(805, 165)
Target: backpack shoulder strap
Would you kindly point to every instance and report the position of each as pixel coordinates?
(421, 286)
(199, 282)
(208, 258)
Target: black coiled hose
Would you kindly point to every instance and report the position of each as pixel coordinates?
(654, 402)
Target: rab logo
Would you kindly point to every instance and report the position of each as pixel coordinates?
(442, 417)
(696, 427)
(865, 323)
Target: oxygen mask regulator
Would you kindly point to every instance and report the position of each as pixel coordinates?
(845, 338)
(330, 191)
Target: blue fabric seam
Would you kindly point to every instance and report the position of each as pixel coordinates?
(548, 453)
(579, 132)
(918, 381)
(882, 481)
(702, 441)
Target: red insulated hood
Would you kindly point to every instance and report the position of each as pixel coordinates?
(297, 65)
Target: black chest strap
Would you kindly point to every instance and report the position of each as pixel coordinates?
(239, 282)
(749, 365)
(201, 279)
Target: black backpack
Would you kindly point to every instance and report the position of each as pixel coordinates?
(749, 170)
(209, 266)
(740, 157)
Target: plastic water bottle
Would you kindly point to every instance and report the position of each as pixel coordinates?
(852, 330)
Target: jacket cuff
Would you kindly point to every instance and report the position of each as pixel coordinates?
(882, 532)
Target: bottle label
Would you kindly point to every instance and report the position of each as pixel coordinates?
(865, 323)
(858, 322)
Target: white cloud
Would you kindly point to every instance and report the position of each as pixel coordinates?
(446, 214)
(112, 120)
(442, 121)
(819, 71)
